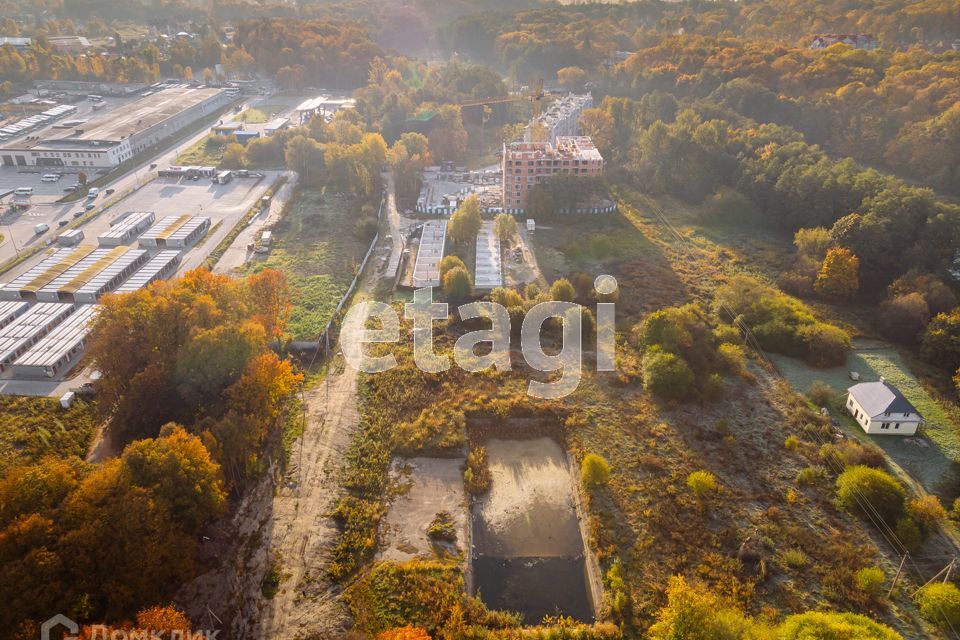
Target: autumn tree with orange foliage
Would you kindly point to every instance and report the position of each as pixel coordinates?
(172, 352)
(100, 541)
(404, 633)
(838, 277)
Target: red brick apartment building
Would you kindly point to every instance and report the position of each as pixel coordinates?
(526, 164)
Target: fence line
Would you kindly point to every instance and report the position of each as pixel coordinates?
(326, 336)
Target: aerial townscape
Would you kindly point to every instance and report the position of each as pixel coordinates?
(480, 320)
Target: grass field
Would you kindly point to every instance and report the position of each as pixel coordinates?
(608, 245)
(937, 466)
(201, 154)
(31, 428)
(314, 244)
(260, 114)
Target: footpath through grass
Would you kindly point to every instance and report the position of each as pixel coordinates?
(316, 247)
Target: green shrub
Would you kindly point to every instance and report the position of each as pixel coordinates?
(701, 483)
(939, 603)
(825, 344)
(794, 559)
(792, 443)
(810, 475)
(562, 291)
(909, 534)
(877, 487)
(733, 358)
(871, 581)
(456, 284)
(851, 453)
(449, 262)
(927, 512)
(442, 527)
(667, 375)
(476, 477)
(827, 625)
(820, 393)
(594, 471)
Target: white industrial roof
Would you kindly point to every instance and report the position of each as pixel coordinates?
(488, 274)
(24, 329)
(78, 270)
(132, 221)
(43, 271)
(426, 271)
(110, 276)
(49, 349)
(189, 227)
(162, 227)
(150, 271)
(10, 310)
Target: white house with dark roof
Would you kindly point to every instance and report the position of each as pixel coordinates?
(879, 408)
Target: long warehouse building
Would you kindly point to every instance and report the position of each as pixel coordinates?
(127, 229)
(108, 139)
(10, 311)
(160, 267)
(175, 232)
(488, 273)
(30, 327)
(26, 285)
(58, 350)
(97, 273)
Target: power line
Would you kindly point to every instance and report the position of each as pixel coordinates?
(871, 512)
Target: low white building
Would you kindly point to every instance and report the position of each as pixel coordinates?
(880, 408)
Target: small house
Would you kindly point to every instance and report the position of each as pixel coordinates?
(879, 408)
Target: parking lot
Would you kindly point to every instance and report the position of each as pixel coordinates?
(43, 192)
(223, 204)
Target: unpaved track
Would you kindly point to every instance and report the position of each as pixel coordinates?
(286, 525)
(305, 606)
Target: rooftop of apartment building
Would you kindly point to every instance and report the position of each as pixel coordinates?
(565, 107)
(580, 147)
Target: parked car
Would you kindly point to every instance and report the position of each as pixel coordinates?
(41, 228)
(63, 223)
(71, 188)
(109, 191)
(93, 193)
(88, 206)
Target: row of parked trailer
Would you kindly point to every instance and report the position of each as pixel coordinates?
(34, 122)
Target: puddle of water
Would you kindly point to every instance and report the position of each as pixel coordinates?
(534, 587)
(528, 555)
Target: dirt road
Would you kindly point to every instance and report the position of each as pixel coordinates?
(282, 532)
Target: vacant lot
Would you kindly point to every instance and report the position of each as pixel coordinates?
(260, 114)
(203, 153)
(315, 246)
(31, 428)
(609, 244)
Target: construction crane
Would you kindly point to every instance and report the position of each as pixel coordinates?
(534, 96)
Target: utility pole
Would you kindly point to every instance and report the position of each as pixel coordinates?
(897, 577)
(946, 570)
